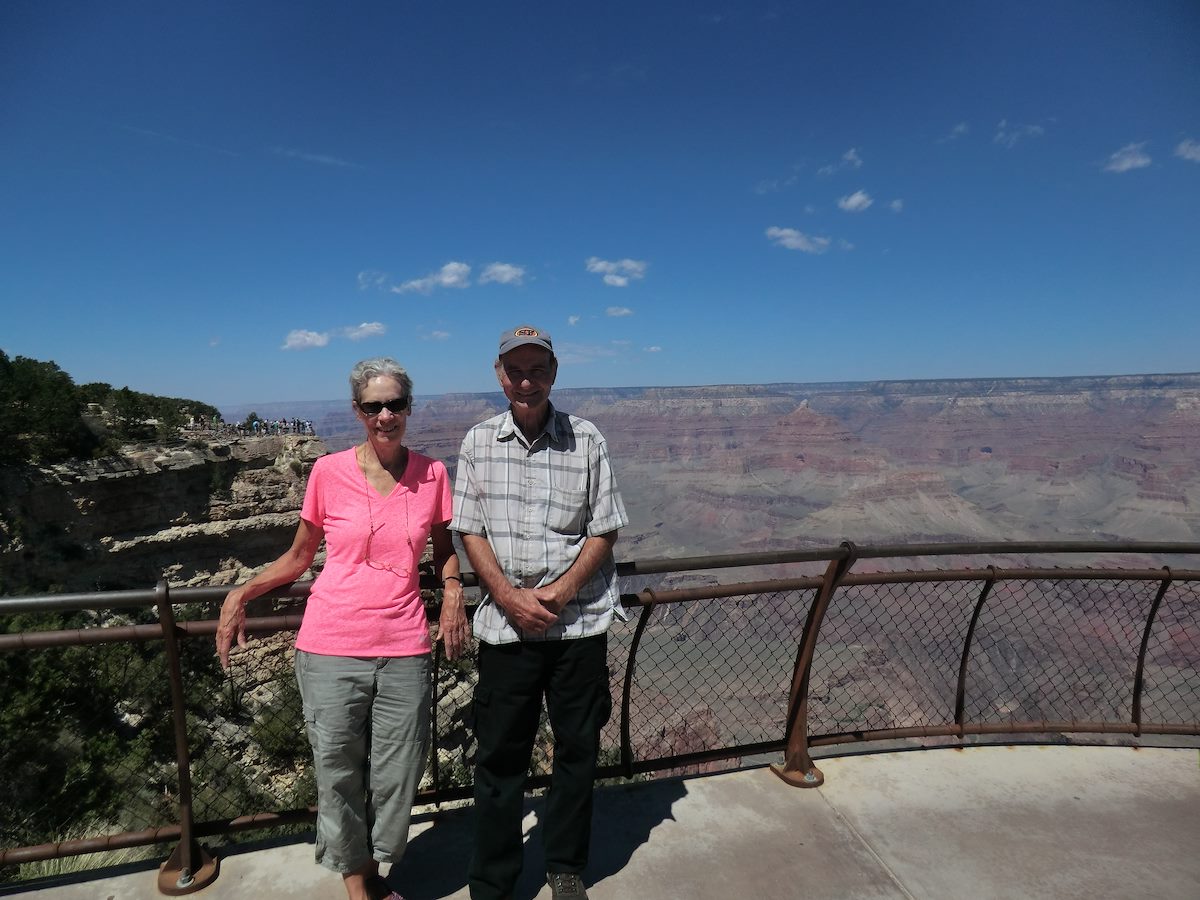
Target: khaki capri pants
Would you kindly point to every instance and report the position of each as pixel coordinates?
(368, 723)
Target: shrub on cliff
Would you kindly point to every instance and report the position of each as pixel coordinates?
(47, 418)
(86, 732)
(40, 413)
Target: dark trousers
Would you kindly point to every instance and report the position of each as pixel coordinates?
(513, 678)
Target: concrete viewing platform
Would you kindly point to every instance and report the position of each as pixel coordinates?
(1027, 821)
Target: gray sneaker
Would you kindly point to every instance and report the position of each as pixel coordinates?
(566, 885)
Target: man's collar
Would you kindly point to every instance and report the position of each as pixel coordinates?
(509, 429)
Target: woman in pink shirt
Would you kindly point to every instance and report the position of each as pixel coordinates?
(363, 649)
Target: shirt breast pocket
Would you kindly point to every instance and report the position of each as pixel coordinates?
(567, 512)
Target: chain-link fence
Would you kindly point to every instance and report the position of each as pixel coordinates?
(888, 656)
(714, 674)
(1043, 650)
(88, 755)
(87, 745)
(1171, 687)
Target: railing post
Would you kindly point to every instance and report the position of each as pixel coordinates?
(189, 867)
(627, 688)
(960, 693)
(798, 769)
(1141, 660)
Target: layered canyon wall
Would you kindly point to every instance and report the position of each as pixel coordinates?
(718, 469)
(196, 512)
(732, 468)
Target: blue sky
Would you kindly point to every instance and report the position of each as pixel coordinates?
(236, 201)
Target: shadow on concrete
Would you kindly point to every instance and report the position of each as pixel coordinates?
(435, 864)
(992, 823)
(625, 817)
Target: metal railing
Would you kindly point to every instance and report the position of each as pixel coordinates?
(119, 729)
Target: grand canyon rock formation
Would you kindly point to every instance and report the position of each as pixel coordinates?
(718, 469)
(200, 512)
(732, 468)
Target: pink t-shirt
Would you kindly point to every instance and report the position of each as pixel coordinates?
(361, 608)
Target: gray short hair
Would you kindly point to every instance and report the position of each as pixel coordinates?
(366, 369)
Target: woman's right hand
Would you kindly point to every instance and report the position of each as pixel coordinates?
(232, 625)
(285, 570)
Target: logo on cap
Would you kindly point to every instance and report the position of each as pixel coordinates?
(525, 332)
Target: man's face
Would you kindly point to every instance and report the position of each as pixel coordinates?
(526, 374)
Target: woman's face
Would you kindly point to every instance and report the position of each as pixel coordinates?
(385, 426)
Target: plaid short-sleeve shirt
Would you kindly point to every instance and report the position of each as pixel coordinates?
(537, 503)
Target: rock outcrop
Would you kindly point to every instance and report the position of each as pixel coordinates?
(200, 512)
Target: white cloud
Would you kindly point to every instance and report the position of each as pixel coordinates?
(365, 330)
(438, 336)
(572, 320)
(617, 273)
(810, 209)
(502, 273)
(896, 205)
(774, 185)
(850, 160)
(618, 311)
(319, 158)
(158, 135)
(299, 339)
(369, 278)
(627, 73)
(1009, 136)
(844, 244)
(959, 130)
(577, 354)
(451, 275)
(1188, 149)
(797, 240)
(654, 349)
(1129, 157)
(856, 202)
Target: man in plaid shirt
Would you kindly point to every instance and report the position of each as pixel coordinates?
(537, 508)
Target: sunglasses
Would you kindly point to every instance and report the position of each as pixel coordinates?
(375, 407)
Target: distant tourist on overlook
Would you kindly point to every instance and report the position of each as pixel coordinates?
(363, 649)
(537, 506)
(252, 426)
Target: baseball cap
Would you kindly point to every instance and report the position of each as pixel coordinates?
(524, 334)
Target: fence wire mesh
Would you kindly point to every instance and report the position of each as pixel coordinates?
(1057, 651)
(714, 674)
(86, 743)
(86, 733)
(888, 656)
(253, 752)
(1171, 686)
